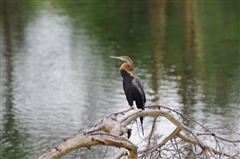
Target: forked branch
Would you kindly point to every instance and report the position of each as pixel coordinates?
(109, 130)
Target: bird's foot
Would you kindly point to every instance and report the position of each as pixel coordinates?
(133, 107)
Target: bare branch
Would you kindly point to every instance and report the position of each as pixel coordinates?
(121, 153)
(206, 147)
(108, 132)
(86, 140)
(149, 150)
(151, 133)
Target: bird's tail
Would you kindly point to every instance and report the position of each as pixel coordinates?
(141, 120)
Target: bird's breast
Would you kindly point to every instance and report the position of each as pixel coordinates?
(125, 73)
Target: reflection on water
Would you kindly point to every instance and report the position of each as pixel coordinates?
(58, 78)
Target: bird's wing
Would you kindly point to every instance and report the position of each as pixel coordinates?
(127, 91)
(139, 87)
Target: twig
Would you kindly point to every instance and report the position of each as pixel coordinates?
(218, 137)
(189, 140)
(182, 115)
(105, 152)
(149, 150)
(151, 133)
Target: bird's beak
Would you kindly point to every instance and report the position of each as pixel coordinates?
(116, 57)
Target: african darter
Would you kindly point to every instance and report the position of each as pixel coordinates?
(131, 84)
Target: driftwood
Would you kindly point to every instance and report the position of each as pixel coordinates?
(110, 130)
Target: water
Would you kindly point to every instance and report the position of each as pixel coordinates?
(57, 77)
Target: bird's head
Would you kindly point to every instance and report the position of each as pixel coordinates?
(127, 59)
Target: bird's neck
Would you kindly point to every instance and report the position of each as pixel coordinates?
(126, 70)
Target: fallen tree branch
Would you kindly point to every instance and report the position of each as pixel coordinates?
(88, 140)
(108, 132)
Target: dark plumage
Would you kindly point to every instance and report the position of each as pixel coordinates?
(132, 86)
(133, 90)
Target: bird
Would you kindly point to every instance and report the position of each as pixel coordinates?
(132, 85)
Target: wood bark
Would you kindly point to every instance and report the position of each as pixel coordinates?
(109, 131)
